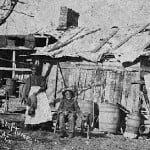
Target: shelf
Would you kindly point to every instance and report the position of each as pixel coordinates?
(16, 48)
(14, 69)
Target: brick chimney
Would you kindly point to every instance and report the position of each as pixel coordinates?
(68, 18)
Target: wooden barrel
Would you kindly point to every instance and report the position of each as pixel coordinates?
(109, 117)
(133, 123)
(11, 86)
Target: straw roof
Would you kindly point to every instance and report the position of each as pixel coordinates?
(83, 42)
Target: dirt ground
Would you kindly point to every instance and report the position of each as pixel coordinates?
(44, 140)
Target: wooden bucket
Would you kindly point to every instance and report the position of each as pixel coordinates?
(133, 123)
(109, 117)
(11, 86)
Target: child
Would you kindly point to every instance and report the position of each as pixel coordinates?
(68, 110)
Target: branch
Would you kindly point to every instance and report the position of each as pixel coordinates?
(4, 18)
(21, 2)
(19, 12)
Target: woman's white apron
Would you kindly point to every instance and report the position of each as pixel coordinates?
(43, 110)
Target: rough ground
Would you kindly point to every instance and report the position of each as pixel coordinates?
(49, 141)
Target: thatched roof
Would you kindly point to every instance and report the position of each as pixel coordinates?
(94, 43)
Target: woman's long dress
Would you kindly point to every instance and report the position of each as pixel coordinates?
(43, 110)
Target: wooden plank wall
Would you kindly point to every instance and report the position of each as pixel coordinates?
(98, 84)
(130, 92)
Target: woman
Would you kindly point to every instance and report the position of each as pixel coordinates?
(37, 105)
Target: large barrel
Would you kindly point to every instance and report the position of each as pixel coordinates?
(133, 121)
(11, 86)
(109, 117)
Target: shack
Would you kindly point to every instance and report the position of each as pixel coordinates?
(101, 63)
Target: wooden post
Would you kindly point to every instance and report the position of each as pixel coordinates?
(13, 63)
(47, 40)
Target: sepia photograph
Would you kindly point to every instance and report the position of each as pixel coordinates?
(74, 75)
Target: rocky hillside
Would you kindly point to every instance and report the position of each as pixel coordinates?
(36, 15)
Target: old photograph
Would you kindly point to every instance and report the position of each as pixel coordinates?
(74, 75)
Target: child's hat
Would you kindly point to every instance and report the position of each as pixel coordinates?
(68, 89)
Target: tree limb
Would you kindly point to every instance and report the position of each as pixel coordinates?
(4, 18)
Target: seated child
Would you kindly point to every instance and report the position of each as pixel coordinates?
(68, 110)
